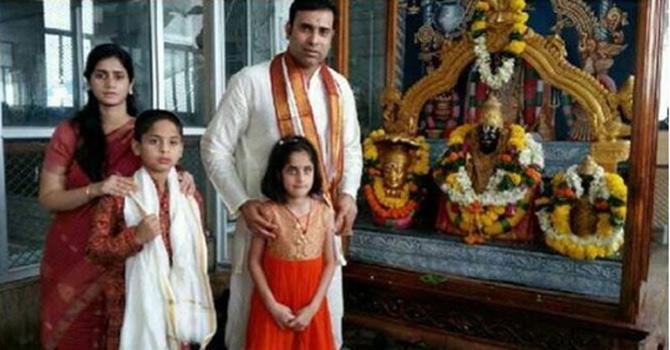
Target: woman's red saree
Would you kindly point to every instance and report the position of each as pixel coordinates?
(72, 306)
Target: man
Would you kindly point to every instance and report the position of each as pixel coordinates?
(295, 93)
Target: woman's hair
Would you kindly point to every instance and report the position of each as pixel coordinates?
(272, 185)
(148, 118)
(92, 148)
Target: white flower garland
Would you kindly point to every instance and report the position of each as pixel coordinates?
(532, 154)
(464, 194)
(505, 71)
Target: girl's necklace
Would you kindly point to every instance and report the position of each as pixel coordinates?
(298, 225)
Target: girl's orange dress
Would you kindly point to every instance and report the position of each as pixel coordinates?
(293, 264)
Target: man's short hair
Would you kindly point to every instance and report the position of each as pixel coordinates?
(311, 5)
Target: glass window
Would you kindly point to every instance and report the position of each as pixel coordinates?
(42, 82)
(236, 36)
(184, 63)
(367, 59)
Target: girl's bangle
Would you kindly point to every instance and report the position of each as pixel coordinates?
(88, 191)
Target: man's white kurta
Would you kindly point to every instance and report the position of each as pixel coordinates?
(235, 150)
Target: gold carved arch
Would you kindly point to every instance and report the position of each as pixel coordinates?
(545, 55)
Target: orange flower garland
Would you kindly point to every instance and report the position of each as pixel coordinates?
(391, 213)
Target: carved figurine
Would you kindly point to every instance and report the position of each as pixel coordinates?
(489, 173)
(584, 211)
(393, 166)
(441, 115)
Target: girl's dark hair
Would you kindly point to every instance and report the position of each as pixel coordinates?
(272, 185)
(92, 148)
(148, 118)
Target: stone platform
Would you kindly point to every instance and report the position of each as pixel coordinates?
(526, 265)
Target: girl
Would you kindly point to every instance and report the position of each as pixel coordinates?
(145, 312)
(292, 272)
(87, 157)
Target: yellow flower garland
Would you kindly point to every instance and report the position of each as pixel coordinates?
(607, 239)
(390, 202)
(490, 221)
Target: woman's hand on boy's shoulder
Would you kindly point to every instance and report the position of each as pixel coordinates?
(186, 182)
(114, 185)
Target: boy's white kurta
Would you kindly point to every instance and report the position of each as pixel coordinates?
(167, 303)
(235, 150)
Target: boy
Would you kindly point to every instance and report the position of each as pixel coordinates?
(143, 307)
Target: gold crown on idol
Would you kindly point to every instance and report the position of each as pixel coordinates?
(492, 113)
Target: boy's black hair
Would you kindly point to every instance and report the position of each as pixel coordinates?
(311, 5)
(148, 118)
(272, 185)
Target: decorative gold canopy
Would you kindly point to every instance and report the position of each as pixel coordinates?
(547, 57)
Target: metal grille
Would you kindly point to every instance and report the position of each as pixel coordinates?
(191, 162)
(27, 222)
(661, 202)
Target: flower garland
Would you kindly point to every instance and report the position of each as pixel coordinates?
(505, 200)
(389, 202)
(383, 206)
(385, 212)
(607, 194)
(513, 49)
(420, 162)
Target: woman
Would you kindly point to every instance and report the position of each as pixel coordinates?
(89, 156)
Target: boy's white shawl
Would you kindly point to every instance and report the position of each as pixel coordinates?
(167, 305)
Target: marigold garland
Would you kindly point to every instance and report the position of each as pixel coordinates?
(391, 213)
(607, 194)
(389, 202)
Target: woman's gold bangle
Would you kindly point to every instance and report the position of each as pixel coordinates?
(88, 191)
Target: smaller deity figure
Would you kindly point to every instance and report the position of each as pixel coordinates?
(394, 164)
(582, 215)
(583, 212)
(441, 115)
(489, 174)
